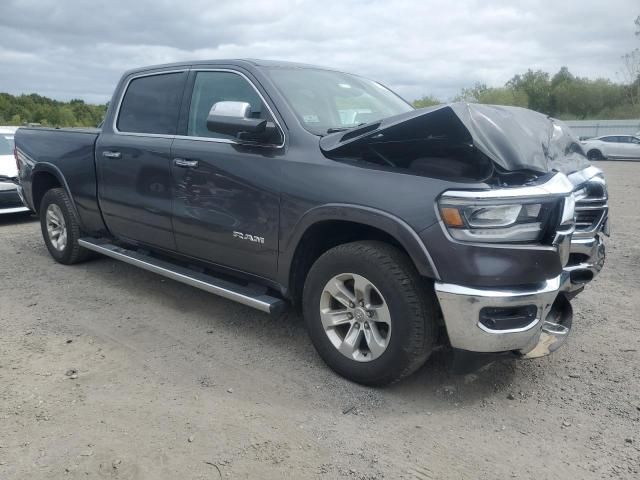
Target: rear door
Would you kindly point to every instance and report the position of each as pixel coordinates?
(613, 146)
(226, 195)
(133, 157)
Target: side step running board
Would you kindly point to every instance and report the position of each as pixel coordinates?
(253, 297)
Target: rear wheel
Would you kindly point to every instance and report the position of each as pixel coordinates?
(595, 155)
(370, 315)
(60, 228)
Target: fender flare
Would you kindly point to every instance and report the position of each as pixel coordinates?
(50, 168)
(402, 232)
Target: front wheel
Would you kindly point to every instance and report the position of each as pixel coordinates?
(60, 228)
(370, 315)
(595, 155)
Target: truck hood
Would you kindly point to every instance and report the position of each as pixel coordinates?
(513, 138)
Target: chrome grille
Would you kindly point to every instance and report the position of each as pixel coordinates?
(591, 206)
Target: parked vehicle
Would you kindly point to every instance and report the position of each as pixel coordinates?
(8, 131)
(613, 147)
(10, 201)
(393, 229)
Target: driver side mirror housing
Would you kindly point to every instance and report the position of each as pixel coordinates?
(234, 118)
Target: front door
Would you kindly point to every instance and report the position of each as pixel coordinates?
(226, 196)
(133, 158)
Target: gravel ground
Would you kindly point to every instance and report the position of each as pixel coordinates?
(107, 371)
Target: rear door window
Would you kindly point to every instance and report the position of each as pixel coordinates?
(151, 104)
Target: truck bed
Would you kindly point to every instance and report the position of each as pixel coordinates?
(68, 155)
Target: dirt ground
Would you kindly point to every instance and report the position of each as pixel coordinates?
(174, 383)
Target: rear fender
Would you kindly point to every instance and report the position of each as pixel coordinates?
(49, 168)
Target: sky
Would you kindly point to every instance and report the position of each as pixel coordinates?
(78, 49)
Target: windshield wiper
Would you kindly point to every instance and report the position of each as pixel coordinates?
(343, 129)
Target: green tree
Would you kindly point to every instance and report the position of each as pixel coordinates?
(537, 87)
(631, 70)
(426, 101)
(34, 108)
(480, 93)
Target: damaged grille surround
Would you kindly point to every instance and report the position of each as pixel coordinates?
(592, 206)
(587, 253)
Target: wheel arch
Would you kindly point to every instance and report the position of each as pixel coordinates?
(596, 150)
(325, 227)
(44, 177)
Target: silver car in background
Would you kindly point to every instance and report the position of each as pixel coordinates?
(10, 201)
(614, 147)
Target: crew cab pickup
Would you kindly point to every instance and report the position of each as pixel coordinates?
(394, 230)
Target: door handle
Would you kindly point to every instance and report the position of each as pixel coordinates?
(184, 163)
(108, 154)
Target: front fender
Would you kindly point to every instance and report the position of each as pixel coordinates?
(379, 219)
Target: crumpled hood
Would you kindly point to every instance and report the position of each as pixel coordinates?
(514, 138)
(8, 167)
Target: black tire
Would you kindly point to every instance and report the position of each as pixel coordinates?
(409, 297)
(72, 252)
(595, 155)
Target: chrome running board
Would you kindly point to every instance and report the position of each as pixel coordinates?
(252, 297)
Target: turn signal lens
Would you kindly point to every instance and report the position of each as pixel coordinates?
(451, 217)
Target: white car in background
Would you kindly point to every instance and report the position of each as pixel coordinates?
(613, 147)
(10, 201)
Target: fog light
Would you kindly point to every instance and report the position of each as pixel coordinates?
(508, 318)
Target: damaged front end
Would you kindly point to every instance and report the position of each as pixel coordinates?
(521, 241)
(464, 143)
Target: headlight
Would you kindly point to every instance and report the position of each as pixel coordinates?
(494, 221)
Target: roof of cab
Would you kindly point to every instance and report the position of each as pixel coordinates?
(241, 62)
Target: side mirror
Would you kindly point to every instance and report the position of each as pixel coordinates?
(234, 118)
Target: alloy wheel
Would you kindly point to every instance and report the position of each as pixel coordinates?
(56, 227)
(355, 317)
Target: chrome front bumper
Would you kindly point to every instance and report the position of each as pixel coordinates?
(461, 308)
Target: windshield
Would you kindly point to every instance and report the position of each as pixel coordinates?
(325, 100)
(6, 146)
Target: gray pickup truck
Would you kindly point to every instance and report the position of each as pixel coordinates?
(395, 230)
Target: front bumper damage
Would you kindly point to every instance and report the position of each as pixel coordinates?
(530, 321)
